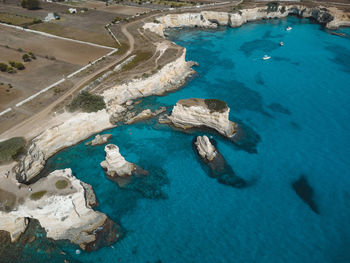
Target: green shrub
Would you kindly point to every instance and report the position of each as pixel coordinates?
(26, 58)
(31, 54)
(11, 148)
(3, 67)
(272, 6)
(12, 63)
(11, 69)
(61, 184)
(30, 4)
(19, 66)
(215, 105)
(37, 195)
(87, 102)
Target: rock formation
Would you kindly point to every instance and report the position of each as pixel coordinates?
(58, 202)
(115, 164)
(145, 114)
(169, 77)
(99, 139)
(209, 113)
(78, 127)
(218, 168)
(332, 17)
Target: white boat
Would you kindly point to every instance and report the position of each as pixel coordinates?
(289, 28)
(266, 57)
(281, 43)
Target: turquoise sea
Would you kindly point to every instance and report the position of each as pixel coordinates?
(298, 102)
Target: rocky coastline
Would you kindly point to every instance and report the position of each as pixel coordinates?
(63, 218)
(331, 18)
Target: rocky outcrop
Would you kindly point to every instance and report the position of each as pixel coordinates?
(63, 211)
(211, 113)
(169, 77)
(76, 128)
(218, 168)
(330, 17)
(145, 114)
(115, 164)
(205, 149)
(99, 139)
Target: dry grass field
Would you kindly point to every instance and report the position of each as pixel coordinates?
(55, 58)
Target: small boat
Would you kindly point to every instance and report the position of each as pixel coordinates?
(266, 57)
(289, 28)
(281, 43)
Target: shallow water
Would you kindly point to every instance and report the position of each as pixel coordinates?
(298, 102)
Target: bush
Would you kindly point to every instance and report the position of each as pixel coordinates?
(215, 105)
(11, 148)
(37, 195)
(3, 67)
(31, 54)
(19, 66)
(272, 6)
(26, 58)
(61, 184)
(12, 63)
(30, 4)
(87, 102)
(11, 69)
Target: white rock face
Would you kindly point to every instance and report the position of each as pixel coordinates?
(205, 149)
(64, 213)
(100, 139)
(210, 19)
(78, 127)
(169, 77)
(115, 164)
(195, 113)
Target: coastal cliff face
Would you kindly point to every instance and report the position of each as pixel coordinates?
(331, 17)
(75, 129)
(168, 78)
(209, 113)
(62, 209)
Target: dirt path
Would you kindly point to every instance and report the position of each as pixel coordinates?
(26, 127)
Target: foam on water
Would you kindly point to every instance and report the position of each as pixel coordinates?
(299, 104)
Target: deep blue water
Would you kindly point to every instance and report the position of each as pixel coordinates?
(299, 104)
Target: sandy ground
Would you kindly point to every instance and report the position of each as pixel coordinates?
(114, 8)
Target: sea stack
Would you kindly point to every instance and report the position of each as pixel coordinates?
(211, 113)
(216, 163)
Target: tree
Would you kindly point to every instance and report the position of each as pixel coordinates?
(30, 4)
(3, 67)
(19, 66)
(26, 58)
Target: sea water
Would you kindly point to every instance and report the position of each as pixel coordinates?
(298, 102)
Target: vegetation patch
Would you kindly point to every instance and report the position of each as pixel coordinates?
(11, 149)
(37, 195)
(61, 184)
(30, 4)
(140, 57)
(18, 20)
(272, 7)
(87, 102)
(215, 105)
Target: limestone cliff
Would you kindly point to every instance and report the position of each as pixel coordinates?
(209, 113)
(58, 203)
(330, 17)
(78, 127)
(169, 77)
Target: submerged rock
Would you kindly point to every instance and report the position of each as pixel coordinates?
(305, 192)
(144, 115)
(219, 169)
(131, 176)
(99, 139)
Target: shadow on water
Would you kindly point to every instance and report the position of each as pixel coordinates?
(305, 192)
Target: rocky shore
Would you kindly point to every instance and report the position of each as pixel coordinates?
(331, 18)
(59, 202)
